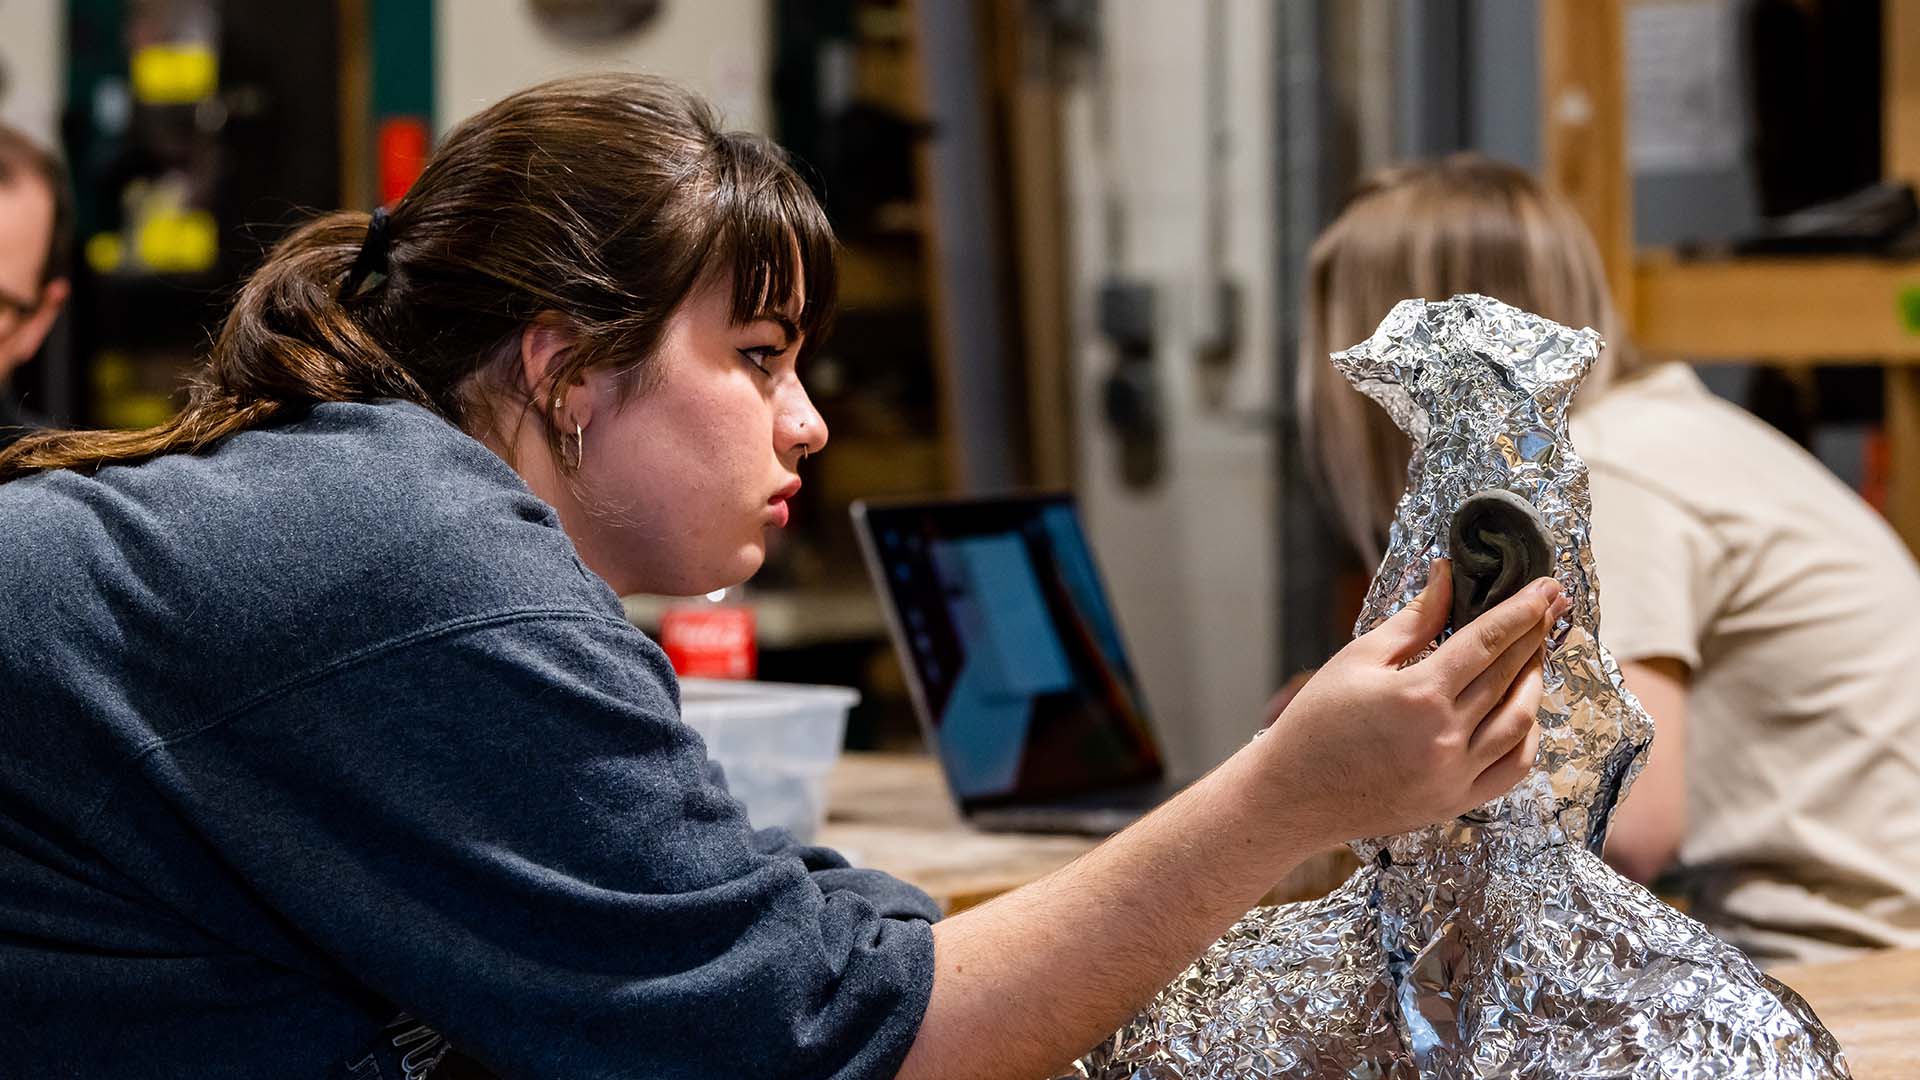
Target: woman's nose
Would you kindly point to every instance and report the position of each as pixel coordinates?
(804, 428)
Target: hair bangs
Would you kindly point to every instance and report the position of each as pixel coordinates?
(775, 244)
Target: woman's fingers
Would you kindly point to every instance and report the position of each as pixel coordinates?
(1475, 648)
(1508, 769)
(1509, 739)
(1485, 691)
(1414, 626)
(1491, 685)
(1514, 716)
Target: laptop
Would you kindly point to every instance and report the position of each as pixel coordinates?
(1015, 662)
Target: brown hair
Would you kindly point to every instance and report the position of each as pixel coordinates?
(1462, 224)
(21, 155)
(603, 201)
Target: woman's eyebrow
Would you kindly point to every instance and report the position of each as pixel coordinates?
(786, 325)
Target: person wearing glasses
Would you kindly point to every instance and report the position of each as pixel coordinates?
(36, 226)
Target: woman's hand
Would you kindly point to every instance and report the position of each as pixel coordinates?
(1369, 747)
(1027, 982)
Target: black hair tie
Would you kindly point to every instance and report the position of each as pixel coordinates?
(370, 266)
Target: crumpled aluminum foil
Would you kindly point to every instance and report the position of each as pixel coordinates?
(1497, 944)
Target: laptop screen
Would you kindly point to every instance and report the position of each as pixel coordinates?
(1023, 683)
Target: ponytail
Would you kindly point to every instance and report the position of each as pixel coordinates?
(289, 340)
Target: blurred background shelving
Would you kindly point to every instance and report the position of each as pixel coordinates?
(1795, 313)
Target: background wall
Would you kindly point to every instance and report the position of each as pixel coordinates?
(485, 49)
(1191, 561)
(32, 68)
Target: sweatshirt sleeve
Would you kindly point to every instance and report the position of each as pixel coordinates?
(502, 827)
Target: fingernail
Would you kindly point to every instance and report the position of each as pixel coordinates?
(1562, 606)
(1548, 587)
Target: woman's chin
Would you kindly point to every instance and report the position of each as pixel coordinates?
(745, 561)
(748, 563)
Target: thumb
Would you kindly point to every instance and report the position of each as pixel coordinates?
(1414, 627)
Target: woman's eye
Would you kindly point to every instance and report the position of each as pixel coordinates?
(760, 357)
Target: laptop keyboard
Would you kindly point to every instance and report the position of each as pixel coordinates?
(1096, 814)
(1097, 821)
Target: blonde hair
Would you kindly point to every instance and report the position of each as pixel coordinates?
(1461, 224)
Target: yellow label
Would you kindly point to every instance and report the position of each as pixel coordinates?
(112, 373)
(179, 242)
(179, 73)
(106, 252)
(136, 411)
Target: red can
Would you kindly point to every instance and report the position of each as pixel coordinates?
(710, 641)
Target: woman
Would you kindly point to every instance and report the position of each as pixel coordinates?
(326, 736)
(1759, 609)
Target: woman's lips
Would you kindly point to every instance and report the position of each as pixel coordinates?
(779, 502)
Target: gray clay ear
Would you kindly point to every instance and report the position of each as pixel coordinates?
(1498, 542)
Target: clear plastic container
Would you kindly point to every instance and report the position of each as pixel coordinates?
(776, 741)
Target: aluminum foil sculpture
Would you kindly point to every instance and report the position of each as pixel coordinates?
(1497, 944)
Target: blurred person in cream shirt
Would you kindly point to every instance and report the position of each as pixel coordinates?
(1760, 610)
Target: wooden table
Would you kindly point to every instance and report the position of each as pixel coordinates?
(892, 812)
(1872, 1005)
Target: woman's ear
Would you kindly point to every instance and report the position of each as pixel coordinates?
(543, 346)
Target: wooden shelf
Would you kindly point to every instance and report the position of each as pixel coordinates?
(877, 466)
(1782, 309)
(881, 278)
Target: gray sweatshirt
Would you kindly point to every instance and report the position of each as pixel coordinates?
(325, 745)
